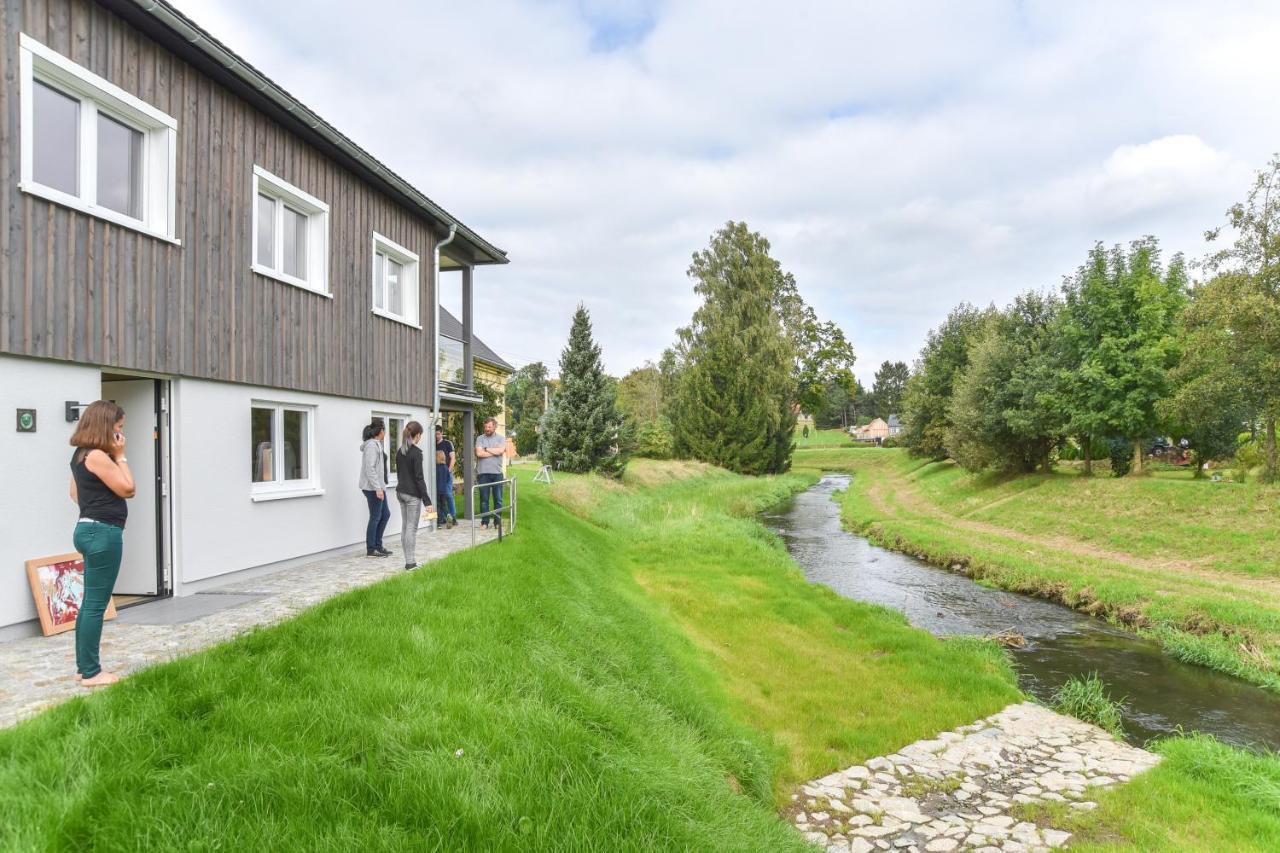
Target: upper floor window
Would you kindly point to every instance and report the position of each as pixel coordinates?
(290, 233)
(89, 145)
(395, 281)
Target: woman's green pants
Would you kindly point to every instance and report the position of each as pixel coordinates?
(102, 546)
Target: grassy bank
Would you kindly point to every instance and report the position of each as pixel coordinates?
(641, 667)
(1193, 564)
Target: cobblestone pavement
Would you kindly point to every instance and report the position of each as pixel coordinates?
(36, 672)
(954, 792)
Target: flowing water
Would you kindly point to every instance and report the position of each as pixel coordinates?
(1161, 695)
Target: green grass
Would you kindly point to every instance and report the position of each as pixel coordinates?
(1085, 698)
(652, 678)
(1203, 796)
(1089, 543)
(824, 438)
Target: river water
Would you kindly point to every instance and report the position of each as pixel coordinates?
(1161, 695)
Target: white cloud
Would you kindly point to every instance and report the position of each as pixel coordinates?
(900, 157)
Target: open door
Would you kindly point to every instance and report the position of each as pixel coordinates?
(142, 570)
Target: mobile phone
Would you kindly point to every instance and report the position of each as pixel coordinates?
(119, 437)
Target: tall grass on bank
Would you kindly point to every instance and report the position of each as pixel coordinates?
(1085, 698)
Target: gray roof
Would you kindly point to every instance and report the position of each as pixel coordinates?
(180, 34)
(451, 327)
(894, 422)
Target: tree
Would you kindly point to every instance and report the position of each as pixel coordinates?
(640, 394)
(888, 387)
(1241, 309)
(641, 400)
(926, 401)
(1118, 332)
(839, 405)
(582, 430)
(527, 393)
(733, 402)
(998, 413)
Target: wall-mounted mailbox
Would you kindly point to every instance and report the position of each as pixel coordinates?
(73, 410)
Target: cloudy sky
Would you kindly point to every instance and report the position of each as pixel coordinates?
(901, 157)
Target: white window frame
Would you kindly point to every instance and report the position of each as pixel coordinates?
(317, 213)
(409, 282)
(403, 417)
(278, 488)
(97, 95)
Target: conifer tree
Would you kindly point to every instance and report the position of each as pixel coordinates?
(733, 405)
(583, 430)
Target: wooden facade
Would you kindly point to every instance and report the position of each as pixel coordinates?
(77, 288)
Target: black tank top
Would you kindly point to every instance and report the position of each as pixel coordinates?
(97, 501)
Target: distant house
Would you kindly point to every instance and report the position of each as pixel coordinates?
(490, 368)
(895, 426)
(875, 432)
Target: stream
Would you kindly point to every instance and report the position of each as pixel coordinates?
(1160, 694)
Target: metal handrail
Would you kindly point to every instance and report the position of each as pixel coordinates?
(509, 508)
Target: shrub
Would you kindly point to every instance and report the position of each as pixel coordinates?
(1248, 458)
(1121, 450)
(1086, 699)
(653, 439)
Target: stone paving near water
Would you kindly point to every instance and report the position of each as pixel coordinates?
(955, 792)
(36, 672)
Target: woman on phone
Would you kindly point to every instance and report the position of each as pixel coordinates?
(373, 482)
(411, 490)
(100, 482)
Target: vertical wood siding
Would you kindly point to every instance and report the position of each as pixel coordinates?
(77, 288)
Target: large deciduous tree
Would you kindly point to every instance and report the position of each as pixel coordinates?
(999, 416)
(527, 393)
(926, 402)
(1236, 315)
(733, 405)
(1119, 319)
(582, 430)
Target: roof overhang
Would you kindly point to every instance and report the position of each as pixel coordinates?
(175, 31)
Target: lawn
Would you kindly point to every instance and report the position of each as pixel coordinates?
(640, 667)
(824, 438)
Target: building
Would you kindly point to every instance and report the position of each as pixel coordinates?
(180, 235)
(875, 432)
(895, 426)
(490, 368)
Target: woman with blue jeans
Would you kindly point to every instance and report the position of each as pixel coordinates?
(373, 482)
(100, 483)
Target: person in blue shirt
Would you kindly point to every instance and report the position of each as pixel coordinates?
(445, 459)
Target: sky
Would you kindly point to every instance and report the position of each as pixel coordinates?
(900, 157)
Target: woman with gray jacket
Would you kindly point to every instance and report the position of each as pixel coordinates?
(373, 482)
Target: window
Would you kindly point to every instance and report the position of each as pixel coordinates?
(290, 233)
(90, 145)
(395, 281)
(391, 439)
(281, 456)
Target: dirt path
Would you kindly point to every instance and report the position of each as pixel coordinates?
(904, 494)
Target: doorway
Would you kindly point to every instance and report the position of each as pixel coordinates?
(144, 570)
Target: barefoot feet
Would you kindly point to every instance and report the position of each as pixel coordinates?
(102, 679)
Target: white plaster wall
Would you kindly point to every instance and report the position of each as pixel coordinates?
(37, 517)
(219, 529)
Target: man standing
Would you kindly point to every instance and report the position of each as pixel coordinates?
(490, 448)
(445, 459)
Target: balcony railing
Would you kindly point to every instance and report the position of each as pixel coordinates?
(453, 372)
